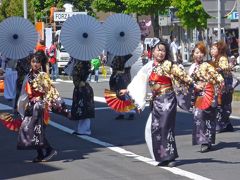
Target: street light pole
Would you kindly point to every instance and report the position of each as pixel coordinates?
(219, 20)
(238, 9)
(25, 8)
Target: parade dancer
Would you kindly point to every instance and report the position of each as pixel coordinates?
(83, 98)
(220, 62)
(204, 124)
(37, 97)
(160, 74)
(120, 78)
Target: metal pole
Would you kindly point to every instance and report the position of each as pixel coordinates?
(25, 8)
(238, 9)
(219, 20)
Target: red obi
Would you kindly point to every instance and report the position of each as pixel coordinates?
(160, 79)
(32, 93)
(159, 84)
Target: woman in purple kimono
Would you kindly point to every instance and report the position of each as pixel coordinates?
(221, 64)
(205, 108)
(161, 75)
(38, 96)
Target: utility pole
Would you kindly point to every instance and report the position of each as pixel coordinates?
(25, 8)
(219, 20)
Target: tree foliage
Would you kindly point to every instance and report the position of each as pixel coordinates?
(109, 6)
(42, 7)
(15, 8)
(191, 13)
(146, 7)
(139, 7)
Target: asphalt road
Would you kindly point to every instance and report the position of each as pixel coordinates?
(116, 150)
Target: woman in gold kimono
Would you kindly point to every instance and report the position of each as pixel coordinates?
(221, 64)
(37, 97)
(203, 74)
(161, 75)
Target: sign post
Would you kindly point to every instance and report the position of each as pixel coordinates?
(238, 9)
(62, 16)
(25, 9)
(219, 20)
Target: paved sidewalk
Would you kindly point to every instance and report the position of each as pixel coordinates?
(236, 108)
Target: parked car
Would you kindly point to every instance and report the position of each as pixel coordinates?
(62, 55)
(63, 58)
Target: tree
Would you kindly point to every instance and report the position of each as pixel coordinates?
(191, 13)
(3, 7)
(83, 5)
(146, 7)
(15, 8)
(42, 7)
(109, 5)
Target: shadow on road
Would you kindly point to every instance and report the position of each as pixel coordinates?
(203, 160)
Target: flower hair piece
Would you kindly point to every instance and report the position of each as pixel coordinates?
(154, 42)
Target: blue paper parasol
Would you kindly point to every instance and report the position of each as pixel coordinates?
(122, 34)
(18, 37)
(83, 37)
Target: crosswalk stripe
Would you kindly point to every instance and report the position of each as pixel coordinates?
(126, 153)
(5, 107)
(67, 101)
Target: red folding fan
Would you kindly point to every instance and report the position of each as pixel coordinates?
(9, 122)
(13, 125)
(117, 104)
(5, 117)
(203, 102)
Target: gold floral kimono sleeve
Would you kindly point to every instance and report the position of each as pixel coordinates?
(178, 75)
(208, 73)
(51, 95)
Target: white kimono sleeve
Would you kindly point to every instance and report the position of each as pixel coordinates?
(138, 87)
(23, 99)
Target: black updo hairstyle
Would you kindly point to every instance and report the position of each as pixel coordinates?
(41, 57)
(156, 42)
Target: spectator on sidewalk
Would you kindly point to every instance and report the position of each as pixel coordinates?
(174, 48)
(95, 64)
(52, 54)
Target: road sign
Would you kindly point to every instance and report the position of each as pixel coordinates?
(210, 6)
(233, 16)
(164, 21)
(148, 40)
(62, 16)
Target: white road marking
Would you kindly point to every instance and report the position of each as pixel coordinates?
(97, 99)
(67, 101)
(119, 150)
(5, 107)
(100, 80)
(126, 153)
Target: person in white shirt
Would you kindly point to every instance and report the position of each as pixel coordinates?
(174, 49)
